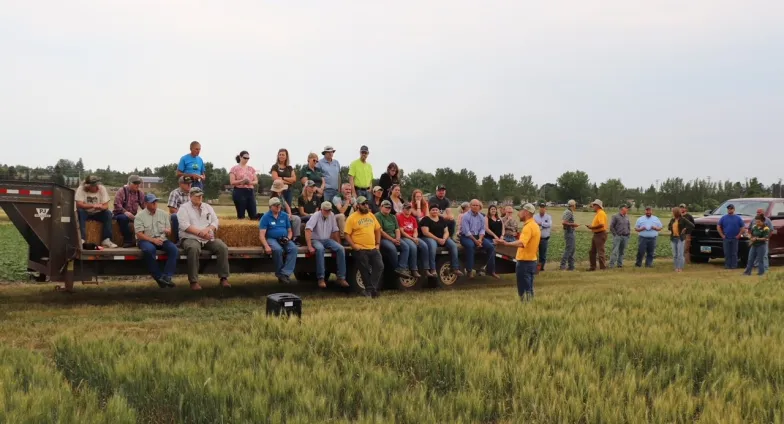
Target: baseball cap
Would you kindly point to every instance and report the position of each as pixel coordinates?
(385, 203)
(542, 204)
(274, 201)
(185, 179)
(730, 206)
(310, 183)
(328, 149)
(682, 205)
(406, 205)
(92, 180)
(361, 200)
(326, 206)
(364, 149)
(440, 187)
(134, 179)
(196, 191)
(377, 188)
(150, 198)
(526, 207)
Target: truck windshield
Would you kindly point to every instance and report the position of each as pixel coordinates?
(745, 208)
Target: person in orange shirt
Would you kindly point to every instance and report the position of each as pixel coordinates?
(527, 250)
(599, 228)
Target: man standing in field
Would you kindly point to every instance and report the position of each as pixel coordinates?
(92, 204)
(127, 203)
(620, 228)
(444, 207)
(153, 228)
(363, 233)
(769, 225)
(321, 233)
(687, 242)
(599, 228)
(277, 238)
(527, 250)
(647, 227)
(545, 222)
(198, 225)
(192, 165)
(731, 229)
(330, 171)
(360, 173)
(567, 220)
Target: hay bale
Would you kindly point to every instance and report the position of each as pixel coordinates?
(94, 230)
(239, 232)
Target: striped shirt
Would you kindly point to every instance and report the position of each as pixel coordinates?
(177, 197)
(568, 216)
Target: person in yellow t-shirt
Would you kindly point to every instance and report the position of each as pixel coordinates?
(363, 233)
(599, 228)
(527, 250)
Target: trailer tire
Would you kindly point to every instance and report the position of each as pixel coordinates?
(445, 278)
(409, 283)
(354, 278)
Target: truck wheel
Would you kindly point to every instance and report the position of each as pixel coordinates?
(698, 259)
(444, 275)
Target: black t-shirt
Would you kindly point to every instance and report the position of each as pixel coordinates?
(312, 206)
(283, 171)
(443, 204)
(436, 227)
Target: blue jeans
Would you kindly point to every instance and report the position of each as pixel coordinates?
(277, 255)
(525, 271)
(543, 244)
(340, 257)
(470, 250)
(647, 248)
(509, 239)
(125, 227)
(756, 253)
(450, 246)
(363, 193)
(389, 252)
(618, 250)
(104, 217)
(329, 194)
(287, 196)
(568, 255)
(730, 245)
(175, 224)
(677, 253)
(764, 258)
(148, 255)
(423, 253)
(413, 254)
(198, 184)
(245, 201)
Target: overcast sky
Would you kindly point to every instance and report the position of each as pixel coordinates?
(617, 88)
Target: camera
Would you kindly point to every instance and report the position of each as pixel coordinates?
(283, 241)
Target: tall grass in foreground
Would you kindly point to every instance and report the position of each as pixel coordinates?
(32, 392)
(670, 352)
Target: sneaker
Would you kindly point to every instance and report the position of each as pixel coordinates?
(284, 279)
(168, 281)
(161, 282)
(107, 243)
(402, 272)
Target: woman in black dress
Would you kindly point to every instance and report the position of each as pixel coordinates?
(493, 224)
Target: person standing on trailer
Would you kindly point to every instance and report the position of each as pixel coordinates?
(363, 234)
(92, 204)
(313, 173)
(198, 226)
(360, 174)
(330, 171)
(322, 233)
(527, 250)
(127, 202)
(192, 165)
(282, 170)
(243, 180)
(545, 222)
(276, 236)
(153, 228)
(177, 198)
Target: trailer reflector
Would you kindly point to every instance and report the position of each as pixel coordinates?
(25, 192)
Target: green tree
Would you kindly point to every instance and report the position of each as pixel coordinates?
(612, 192)
(418, 179)
(527, 188)
(574, 185)
(168, 173)
(489, 189)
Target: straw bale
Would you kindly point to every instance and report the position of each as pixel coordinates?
(94, 230)
(239, 232)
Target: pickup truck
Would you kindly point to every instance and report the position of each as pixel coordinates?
(706, 244)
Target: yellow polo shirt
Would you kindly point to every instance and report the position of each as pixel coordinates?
(362, 173)
(362, 229)
(600, 219)
(530, 237)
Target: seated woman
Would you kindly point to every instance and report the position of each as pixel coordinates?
(418, 204)
(493, 225)
(309, 202)
(435, 234)
(313, 173)
(396, 199)
(277, 190)
(464, 207)
(389, 179)
(511, 232)
(418, 249)
(282, 170)
(375, 202)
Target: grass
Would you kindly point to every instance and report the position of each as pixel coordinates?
(618, 346)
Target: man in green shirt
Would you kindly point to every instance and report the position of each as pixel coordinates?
(760, 234)
(390, 241)
(153, 228)
(360, 174)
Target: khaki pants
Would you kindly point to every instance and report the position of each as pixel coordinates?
(341, 223)
(193, 250)
(597, 250)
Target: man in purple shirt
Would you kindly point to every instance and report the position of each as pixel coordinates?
(472, 237)
(322, 233)
(127, 202)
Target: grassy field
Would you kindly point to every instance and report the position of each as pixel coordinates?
(618, 347)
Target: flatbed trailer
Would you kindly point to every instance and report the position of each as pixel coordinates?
(45, 215)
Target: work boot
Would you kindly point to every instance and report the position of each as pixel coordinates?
(342, 282)
(322, 283)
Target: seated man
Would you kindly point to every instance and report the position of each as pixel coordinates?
(92, 204)
(391, 242)
(127, 202)
(472, 237)
(177, 197)
(152, 229)
(198, 225)
(275, 235)
(278, 190)
(321, 232)
(444, 207)
(309, 201)
(343, 204)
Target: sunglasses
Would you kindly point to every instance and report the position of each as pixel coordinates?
(246, 157)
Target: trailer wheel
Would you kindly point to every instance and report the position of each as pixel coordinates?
(444, 275)
(354, 278)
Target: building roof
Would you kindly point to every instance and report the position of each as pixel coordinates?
(152, 179)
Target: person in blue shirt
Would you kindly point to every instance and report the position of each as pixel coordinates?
(275, 235)
(731, 228)
(648, 227)
(192, 165)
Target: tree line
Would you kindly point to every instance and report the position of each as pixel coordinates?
(699, 194)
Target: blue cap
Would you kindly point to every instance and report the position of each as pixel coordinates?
(150, 198)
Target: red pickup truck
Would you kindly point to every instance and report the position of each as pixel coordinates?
(706, 244)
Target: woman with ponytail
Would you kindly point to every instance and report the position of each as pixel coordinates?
(243, 180)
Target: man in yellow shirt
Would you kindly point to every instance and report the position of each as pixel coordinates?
(360, 173)
(599, 228)
(363, 234)
(527, 249)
